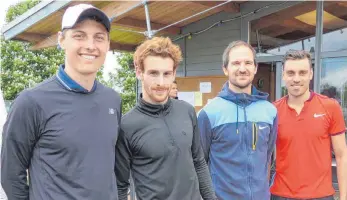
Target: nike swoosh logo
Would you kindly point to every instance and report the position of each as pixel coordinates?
(318, 115)
(262, 127)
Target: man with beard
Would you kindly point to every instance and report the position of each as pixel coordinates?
(309, 124)
(159, 139)
(64, 130)
(238, 130)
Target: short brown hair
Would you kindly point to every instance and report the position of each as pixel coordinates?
(157, 46)
(235, 44)
(297, 55)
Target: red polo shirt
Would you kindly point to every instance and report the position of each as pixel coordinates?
(303, 156)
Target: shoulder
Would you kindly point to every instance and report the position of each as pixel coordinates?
(41, 88)
(216, 109)
(280, 102)
(25, 103)
(217, 105)
(182, 104)
(267, 104)
(262, 111)
(329, 104)
(37, 92)
(130, 119)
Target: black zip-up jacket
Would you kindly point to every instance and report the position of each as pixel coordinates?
(160, 145)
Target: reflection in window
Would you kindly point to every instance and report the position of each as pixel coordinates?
(333, 41)
(294, 28)
(334, 80)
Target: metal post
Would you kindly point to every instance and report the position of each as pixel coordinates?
(318, 47)
(148, 20)
(185, 57)
(279, 69)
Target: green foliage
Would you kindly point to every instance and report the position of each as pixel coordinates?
(125, 80)
(20, 8)
(22, 68)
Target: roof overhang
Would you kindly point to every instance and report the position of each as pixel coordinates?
(41, 24)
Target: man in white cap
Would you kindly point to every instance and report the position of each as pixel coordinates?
(64, 130)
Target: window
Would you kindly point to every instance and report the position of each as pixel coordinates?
(334, 80)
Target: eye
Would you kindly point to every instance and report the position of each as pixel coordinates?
(78, 36)
(290, 73)
(236, 63)
(249, 63)
(153, 73)
(167, 73)
(303, 73)
(100, 38)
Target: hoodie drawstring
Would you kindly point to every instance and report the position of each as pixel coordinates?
(237, 117)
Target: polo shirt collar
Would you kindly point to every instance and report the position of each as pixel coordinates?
(309, 99)
(70, 84)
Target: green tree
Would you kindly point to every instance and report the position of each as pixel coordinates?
(20, 8)
(124, 80)
(20, 67)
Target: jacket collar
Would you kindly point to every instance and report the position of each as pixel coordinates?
(156, 110)
(242, 99)
(71, 85)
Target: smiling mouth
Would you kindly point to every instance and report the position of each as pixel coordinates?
(88, 57)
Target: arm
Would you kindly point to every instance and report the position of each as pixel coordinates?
(205, 183)
(340, 149)
(123, 164)
(19, 138)
(271, 144)
(205, 133)
(337, 129)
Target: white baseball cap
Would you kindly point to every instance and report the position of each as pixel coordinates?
(75, 14)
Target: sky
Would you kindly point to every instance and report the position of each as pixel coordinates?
(110, 62)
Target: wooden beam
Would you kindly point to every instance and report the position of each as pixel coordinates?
(276, 31)
(342, 3)
(48, 42)
(278, 17)
(119, 8)
(290, 25)
(337, 10)
(31, 37)
(299, 25)
(114, 8)
(53, 41)
(289, 13)
(141, 24)
(122, 47)
(230, 7)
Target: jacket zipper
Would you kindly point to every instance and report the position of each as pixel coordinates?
(249, 158)
(172, 140)
(254, 136)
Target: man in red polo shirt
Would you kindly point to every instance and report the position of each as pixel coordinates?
(309, 124)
